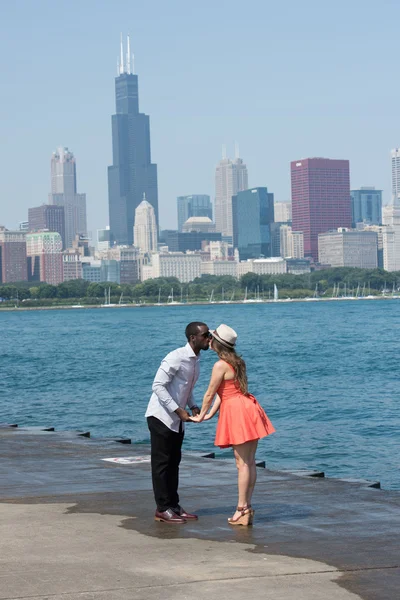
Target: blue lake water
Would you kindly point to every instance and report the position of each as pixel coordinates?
(325, 372)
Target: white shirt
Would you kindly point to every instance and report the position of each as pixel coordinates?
(173, 386)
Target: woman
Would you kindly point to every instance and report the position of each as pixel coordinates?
(242, 421)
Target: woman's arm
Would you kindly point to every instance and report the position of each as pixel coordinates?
(214, 409)
(217, 377)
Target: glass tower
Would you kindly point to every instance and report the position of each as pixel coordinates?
(253, 214)
(132, 173)
(366, 206)
(197, 205)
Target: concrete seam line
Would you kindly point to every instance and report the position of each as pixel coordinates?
(227, 579)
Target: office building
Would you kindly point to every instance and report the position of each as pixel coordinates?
(348, 248)
(47, 216)
(196, 205)
(291, 242)
(195, 240)
(276, 238)
(130, 260)
(202, 224)
(262, 266)
(132, 174)
(12, 256)
(366, 206)
(145, 229)
(64, 194)
(72, 264)
(395, 154)
(219, 267)
(386, 245)
(185, 267)
(283, 212)
(104, 239)
(391, 218)
(320, 199)
(91, 269)
(44, 256)
(231, 177)
(252, 215)
(23, 226)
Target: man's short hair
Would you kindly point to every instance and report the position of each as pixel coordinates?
(192, 329)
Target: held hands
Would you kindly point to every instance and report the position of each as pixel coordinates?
(198, 419)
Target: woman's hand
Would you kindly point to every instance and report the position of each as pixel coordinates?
(196, 419)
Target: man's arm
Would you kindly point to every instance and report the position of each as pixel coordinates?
(164, 375)
(193, 406)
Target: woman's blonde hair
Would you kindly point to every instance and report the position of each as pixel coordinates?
(229, 355)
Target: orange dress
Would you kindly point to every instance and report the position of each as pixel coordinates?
(241, 418)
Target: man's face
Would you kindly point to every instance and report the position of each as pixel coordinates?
(201, 341)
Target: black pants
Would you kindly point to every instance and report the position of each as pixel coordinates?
(165, 459)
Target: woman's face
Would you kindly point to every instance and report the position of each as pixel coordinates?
(211, 346)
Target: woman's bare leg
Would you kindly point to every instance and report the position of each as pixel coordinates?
(246, 466)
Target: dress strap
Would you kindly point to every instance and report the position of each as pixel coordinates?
(233, 369)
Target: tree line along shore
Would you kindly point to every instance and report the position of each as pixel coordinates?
(335, 282)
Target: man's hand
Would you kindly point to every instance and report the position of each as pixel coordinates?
(195, 411)
(182, 414)
(196, 419)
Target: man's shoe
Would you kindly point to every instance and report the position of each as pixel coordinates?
(169, 516)
(185, 515)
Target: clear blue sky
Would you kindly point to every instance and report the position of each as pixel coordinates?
(285, 79)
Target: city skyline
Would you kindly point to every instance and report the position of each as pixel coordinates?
(189, 121)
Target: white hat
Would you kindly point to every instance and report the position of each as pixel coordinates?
(225, 335)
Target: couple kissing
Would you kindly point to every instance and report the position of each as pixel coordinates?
(242, 421)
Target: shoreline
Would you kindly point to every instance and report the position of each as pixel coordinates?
(194, 303)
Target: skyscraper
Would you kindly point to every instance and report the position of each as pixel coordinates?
(253, 213)
(320, 198)
(231, 177)
(132, 173)
(12, 256)
(45, 259)
(63, 193)
(366, 206)
(197, 205)
(283, 212)
(396, 176)
(145, 229)
(391, 218)
(47, 216)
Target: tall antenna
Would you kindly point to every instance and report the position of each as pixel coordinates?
(223, 150)
(237, 155)
(128, 56)
(121, 64)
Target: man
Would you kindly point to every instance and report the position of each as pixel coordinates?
(172, 392)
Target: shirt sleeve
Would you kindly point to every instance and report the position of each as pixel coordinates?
(164, 375)
(191, 401)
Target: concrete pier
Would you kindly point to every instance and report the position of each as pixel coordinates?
(75, 527)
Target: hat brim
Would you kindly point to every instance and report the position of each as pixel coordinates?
(221, 341)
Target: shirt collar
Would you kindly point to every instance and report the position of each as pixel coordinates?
(190, 352)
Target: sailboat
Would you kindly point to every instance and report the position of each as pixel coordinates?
(258, 299)
(159, 297)
(223, 301)
(315, 295)
(107, 298)
(211, 298)
(171, 297)
(276, 294)
(246, 299)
